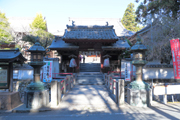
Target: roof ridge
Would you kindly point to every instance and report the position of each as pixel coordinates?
(90, 27)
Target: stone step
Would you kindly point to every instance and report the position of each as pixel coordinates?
(90, 67)
(86, 70)
(90, 78)
(90, 73)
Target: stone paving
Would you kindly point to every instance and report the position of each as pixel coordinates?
(93, 102)
(90, 78)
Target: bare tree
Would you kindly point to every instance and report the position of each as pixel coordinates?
(158, 38)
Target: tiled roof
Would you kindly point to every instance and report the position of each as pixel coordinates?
(120, 44)
(60, 44)
(90, 32)
(11, 56)
(116, 22)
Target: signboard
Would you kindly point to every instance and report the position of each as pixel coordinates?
(47, 71)
(4, 77)
(175, 57)
(126, 69)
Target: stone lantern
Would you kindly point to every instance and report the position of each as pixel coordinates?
(139, 92)
(36, 95)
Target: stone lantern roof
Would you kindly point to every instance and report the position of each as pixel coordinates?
(138, 46)
(36, 48)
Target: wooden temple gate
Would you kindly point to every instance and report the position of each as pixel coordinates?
(85, 38)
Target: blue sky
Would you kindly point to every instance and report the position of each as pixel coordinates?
(57, 12)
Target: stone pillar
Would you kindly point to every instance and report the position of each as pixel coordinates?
(68, 82)
(108, 82)
(54, 93)
(113, 85)
(64, 85)
(58, 92)
(120, 92)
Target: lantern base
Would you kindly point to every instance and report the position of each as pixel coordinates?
(139, 85)
(35, 86)
(139, 94)
(36, 96)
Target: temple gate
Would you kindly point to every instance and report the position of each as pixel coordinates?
(97, 39)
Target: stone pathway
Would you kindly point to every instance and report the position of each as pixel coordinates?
(87, 97)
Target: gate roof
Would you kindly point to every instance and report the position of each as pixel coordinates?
(59, 44)
(120, 44)
(90, 33)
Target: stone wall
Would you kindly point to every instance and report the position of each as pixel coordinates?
(9, 100)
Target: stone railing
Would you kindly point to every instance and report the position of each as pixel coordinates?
(115, 86)
(60, 87)
(67, 82)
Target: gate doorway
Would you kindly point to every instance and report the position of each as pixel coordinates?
(90, 56)
(90, 61)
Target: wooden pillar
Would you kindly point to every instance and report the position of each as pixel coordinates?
(77, 61)
(11, 77)
(60, 67)
(102, 60)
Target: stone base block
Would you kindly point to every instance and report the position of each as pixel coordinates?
(36, 99)
(139, 98)
(9, 100)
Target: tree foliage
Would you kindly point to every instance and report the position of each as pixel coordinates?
(38, 23)
(45, 38)
(162, 31)
(38, 27)
(128, 19)
(156, 8)
(5, 32)
(165, 26)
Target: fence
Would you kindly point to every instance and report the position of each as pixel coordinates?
(116, 87)
(166, 90)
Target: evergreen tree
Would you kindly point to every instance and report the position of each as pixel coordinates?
(5, 33)
(45, 38)
(157, 8)
(38, 23)
(128, 19)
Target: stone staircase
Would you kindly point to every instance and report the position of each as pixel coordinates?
(90, 67)
(90, 78)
